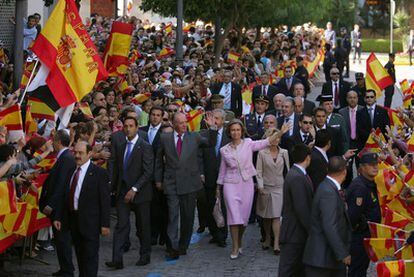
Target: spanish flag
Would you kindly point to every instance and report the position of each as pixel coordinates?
(8, 198)
(394, 219)
(117, 48)
(122, 84)
(165, 52)
(399, 268)
(398, 205)
(377, 78)
(40, 110)
(168, 29)
(141, 98)
(2, 55)
(11, 118)
(30, 124)
(85, 109)
(27, 71)
(7, 240)
(405, 87)
(47, 163)
(384, 231)
(312, 66)
(247, 100)
(380, 248)
(389, 184)
(65, 48)
(371, 146)
(395, 120)
(233, 57)
(194, 118)
(134, 56)
(187, 28)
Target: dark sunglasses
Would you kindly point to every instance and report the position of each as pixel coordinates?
(172, 111)
(165, 119)
(335, 73)
(307, 122)
(369, 97)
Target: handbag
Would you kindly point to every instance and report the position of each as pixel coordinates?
(218, 214)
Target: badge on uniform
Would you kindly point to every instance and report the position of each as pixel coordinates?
(359, 201)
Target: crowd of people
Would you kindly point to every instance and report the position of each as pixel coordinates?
(286, 164)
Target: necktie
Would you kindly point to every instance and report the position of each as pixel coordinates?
(305, 138)
(73, 186)
(179, 145)
(264, 90)
(289, 83)
(310, 181)
(259, 122)
(127, 155)
(371, 116)
(336, 97)
(151, 135)
(286, 119)
(218, 143)
(353, 124)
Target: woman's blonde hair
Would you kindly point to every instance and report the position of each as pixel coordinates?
(269, 132)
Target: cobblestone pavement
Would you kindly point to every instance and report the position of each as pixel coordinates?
(202, 259)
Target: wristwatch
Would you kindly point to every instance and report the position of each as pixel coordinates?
(134, 189)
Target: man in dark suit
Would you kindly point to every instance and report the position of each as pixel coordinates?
(327, 250)
(297, 203)
(265, 88)
(389, 91)
(370, 117)
(288, 116)
(285, 85)
(86, 208)
(303, 135)
(299, 91)
(210, 168)
(231, 92)
(320, 123)
(159, 209)
(52, 197)
(177, 172)
(337, 88)
(133, 161)
(302, 74)
(360, 87)
(319, 158)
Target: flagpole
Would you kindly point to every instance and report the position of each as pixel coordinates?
(28, 82)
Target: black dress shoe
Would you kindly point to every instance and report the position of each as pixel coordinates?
(221, 243)
(173, 254)
(161, 241)
(213, 240)
(182, 252)
(143, 261)
(276, 252)
(126, 247)
(57, 273)
(201, 229)
(114, 265)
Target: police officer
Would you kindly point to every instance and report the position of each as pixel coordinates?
(254, 121)
(363, 206)
(360, 88)
(389, 91)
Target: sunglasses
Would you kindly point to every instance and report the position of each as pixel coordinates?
(172, 111)
(369, 97)
(307, 122)
(165, 119)
(335, 73)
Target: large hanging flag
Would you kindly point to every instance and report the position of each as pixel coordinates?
(117, 48)
(11, 118)
(65, 48)
(399, 268)
(8, 200)
(377, 77)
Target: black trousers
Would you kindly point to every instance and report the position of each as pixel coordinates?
(359, 258)
(121, 232)
(312, 271)
(217, 233)
(290, 263)
(86, 248)
(389, 93)
(63, 244)
(159, 216)
(202, 209)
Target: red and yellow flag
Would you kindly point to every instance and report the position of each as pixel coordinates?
(11, 118)
(379, 248)
(8, 200)
(134, 56)
(30, 124)
(47, 163)
(168, 29)
(384, 231)
(377, 77)
(117, 48)
(394, 219)
(27, 71)
(40, 110)
(165, 52)
(398, 205)
(141, 98)
(64, 46)
(194, 118)
(313, 65)
(7, 240)
(233, 57)
(371, 146)
(389, 184)
(405, 87)
(400, 268)
(85, 109)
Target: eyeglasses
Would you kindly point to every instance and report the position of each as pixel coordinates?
(165, 119)
(172, 111)
(335, 73)
(369, 97)
(307, 122)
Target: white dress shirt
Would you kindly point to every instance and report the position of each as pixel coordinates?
(337, 185)
(323, 153)
(292, 120)
(133, 141)
(152, 132)
(302, 134)
(61, 152)
(261, 117)
(226, 92)
(176, 138)
(82, 173)
(301, 168)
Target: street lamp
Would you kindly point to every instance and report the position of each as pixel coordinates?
(392, 12)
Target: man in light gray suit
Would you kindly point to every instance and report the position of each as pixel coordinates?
(297, 203)
(327, 250)
(177, 172)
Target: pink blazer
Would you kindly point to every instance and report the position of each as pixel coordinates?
(237, 165)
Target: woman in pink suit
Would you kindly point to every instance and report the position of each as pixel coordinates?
(236, 176)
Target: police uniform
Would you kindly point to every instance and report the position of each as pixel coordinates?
(254, 127)
(363, 206)
(360, 91)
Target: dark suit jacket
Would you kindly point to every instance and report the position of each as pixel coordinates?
(210, 161)
(280, 121)
(308, 107)
(94, 203)
(345, 114)
(329, 238)
(236, 97)
(318, 168)
(296, 138)
(140, 169)
(271, 92)
(180, 175)
(303, 75)
(344, 87)
(364, 126)
(297, 204)
(282, 86)
(156, 141)
(54, 186)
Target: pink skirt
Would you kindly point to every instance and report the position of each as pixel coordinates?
(239, 199)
